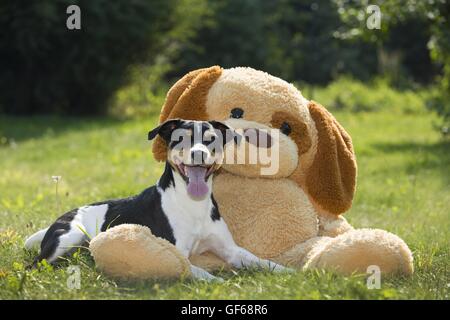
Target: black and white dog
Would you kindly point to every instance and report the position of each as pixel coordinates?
(179, 208)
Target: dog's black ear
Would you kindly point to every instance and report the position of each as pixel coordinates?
(227, 132)
(165, 129)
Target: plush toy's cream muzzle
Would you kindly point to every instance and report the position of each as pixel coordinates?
(261, 152)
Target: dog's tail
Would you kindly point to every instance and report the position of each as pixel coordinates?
(35, 239)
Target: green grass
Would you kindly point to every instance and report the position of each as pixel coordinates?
(403, 186)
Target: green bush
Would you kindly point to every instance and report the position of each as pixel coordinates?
(348, 94)
(144, 94)
(47, 68)
(440, 52)
(440, 104)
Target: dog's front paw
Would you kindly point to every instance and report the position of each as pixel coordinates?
(288, 270)
(201, 274)
(217, 279)
(210, 278)
(275, 267)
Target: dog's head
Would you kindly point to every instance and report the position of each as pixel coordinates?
(195, 150)
(313, 148)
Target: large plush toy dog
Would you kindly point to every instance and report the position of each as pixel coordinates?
(292, 217)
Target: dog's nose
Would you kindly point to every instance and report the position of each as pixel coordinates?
(198, 156)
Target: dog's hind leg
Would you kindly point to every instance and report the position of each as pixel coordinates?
(35, 239)
(59, 243)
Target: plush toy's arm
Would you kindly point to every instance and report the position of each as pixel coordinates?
(132, 251)
(352, 251)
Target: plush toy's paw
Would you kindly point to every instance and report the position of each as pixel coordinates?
(132, 251)
(356, 250)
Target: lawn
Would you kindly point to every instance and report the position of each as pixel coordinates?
(403, 186)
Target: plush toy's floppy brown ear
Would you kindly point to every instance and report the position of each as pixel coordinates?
(331, 179)
(186, 100)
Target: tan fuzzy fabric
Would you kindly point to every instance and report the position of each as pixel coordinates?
(258, 93)
(293, 216)
(331, 180)
(297, 256)
(288, 154)
(265, 216)
(299, 132)
(209, 261)
(356, 250)
(132, 251)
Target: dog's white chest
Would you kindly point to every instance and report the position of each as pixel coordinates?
(190, 219)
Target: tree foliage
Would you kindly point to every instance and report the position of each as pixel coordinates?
(292, 39)
(47, 68)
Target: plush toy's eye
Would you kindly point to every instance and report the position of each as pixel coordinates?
(237, 113)
(285, 128)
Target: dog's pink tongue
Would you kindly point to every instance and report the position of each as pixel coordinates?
(197, 186)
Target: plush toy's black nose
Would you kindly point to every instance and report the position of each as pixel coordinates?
(198, 156)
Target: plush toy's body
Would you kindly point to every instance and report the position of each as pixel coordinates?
(292, 216)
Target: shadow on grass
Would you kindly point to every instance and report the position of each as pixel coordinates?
(424, 156)
(18, 129)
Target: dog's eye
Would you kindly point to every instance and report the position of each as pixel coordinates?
(237, 113)
(285, 128)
